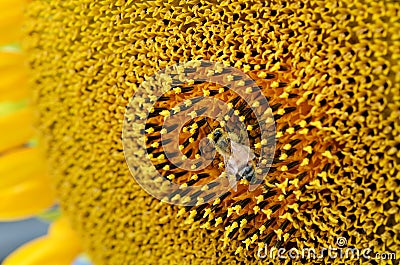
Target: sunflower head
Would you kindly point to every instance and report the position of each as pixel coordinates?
(328, 70)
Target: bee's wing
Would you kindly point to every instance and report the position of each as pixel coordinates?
(241, 152)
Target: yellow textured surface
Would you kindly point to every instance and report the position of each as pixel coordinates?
(331, 70)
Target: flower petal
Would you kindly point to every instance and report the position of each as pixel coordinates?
(13, 85)
(60, 246)
(15, 129)
(11, 15)
(21, 165)
(25, 188)
(25, 199)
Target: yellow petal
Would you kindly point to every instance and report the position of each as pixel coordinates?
(59, 247)
(25, 199)
(11, 59)
(25, 188)
(21, 165)
(15, 129)
(13, 84)
(61, 228)
(11, 15)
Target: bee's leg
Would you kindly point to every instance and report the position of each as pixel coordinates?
(204, 151)
(255, 181)
(201, 150)
(247, 173)
(238, 177)
(250, 175)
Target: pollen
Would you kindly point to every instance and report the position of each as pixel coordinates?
(287, 146)
(155, 144)
(283, 156)
(218, 221)
(305, 162)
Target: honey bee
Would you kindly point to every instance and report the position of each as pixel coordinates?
(238, 158)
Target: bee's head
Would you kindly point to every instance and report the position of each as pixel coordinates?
(217, 134)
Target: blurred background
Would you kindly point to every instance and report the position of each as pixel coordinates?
(15, 234)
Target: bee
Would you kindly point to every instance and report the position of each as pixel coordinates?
(238, 158)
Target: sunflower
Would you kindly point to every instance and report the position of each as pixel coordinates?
(330, 73)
